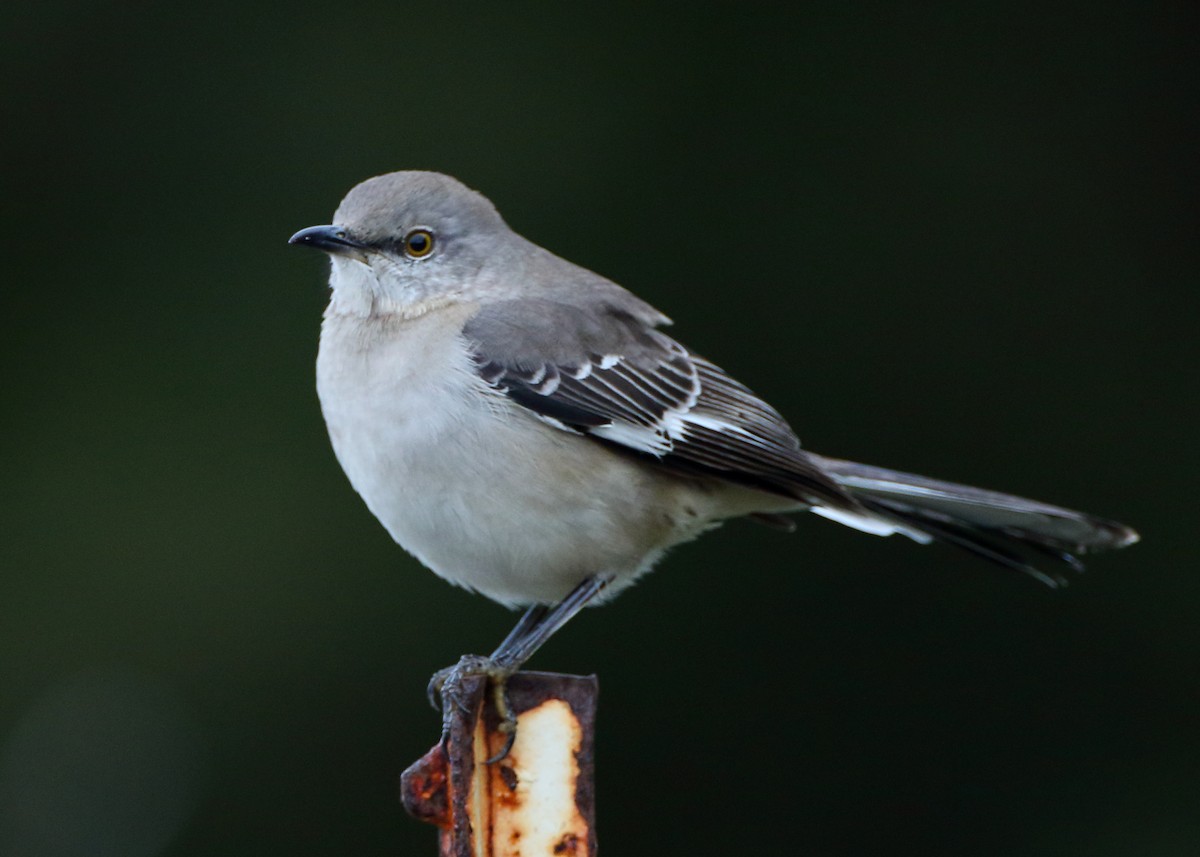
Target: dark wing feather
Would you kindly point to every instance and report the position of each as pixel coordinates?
(603, 373)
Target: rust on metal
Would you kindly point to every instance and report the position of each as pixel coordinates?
(539, 799)
(423, 788)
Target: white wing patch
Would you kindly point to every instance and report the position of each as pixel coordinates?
(635, 437)
(671, 428)
(558, 424)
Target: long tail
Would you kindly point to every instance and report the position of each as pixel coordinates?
(1012, 531)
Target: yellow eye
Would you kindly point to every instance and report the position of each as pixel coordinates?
(418, 244)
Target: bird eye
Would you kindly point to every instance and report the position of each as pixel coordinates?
(418, 244)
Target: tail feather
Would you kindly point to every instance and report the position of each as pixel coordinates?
(1014, 532)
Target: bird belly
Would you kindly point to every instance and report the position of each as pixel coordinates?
(482, 492)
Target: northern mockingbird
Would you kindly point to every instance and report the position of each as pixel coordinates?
(526, 429)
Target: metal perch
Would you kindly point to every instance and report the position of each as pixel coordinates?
(539, 799)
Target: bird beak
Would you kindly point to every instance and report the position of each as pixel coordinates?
(332, 240)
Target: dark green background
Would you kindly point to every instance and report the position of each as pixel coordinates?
(959, 240)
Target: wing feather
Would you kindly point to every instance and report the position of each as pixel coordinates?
(602, 373)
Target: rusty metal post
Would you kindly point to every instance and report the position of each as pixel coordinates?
(539, 800)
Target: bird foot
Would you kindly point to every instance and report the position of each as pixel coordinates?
(446, 692)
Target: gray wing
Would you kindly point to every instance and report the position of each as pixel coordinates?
(605, 374)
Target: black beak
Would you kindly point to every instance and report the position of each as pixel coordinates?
(330, 239)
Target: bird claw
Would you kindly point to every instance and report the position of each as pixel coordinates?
(446, 688)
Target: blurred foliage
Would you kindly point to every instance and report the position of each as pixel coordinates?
(959, 239)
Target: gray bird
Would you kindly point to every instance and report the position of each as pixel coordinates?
(525, 428)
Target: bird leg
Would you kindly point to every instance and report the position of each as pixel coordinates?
(532, 630)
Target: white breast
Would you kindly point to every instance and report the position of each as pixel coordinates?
(472, 485)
